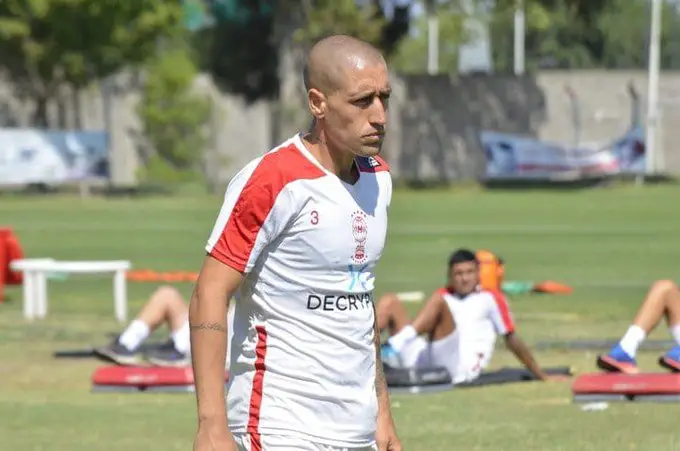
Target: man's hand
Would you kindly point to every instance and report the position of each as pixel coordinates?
(386, 435)
(524, 355)
(214, 435)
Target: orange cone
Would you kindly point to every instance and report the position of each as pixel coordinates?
(552, 287)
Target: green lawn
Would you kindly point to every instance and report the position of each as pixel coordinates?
(608, 244)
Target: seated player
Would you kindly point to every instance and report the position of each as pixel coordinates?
(165, 306)
(460, 324)
(662, 301)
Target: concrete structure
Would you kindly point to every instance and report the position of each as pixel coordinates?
(435, 120)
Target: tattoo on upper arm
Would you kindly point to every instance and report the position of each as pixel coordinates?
(216, 327)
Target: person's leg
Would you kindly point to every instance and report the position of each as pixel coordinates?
(391, 314)
(176, 352)
(434, 320)
(165, 306)
(662, 301)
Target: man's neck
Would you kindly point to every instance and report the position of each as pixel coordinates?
(336, 162)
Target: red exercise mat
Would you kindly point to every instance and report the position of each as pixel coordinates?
(143, 376)
(627, 384)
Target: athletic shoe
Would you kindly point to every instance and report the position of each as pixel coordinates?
(119, 354)
(389, 356)
(167, 355)
(617, 361)
(671, 360)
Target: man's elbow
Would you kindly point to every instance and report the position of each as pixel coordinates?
(509, 337)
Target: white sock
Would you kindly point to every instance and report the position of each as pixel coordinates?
(134, 335)
(675, 331)
(402, 338)
(632, 340)
(180, 338)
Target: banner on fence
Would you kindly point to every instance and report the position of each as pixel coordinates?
(30, 156)
(512, 156)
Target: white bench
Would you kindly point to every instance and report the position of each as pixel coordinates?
(37, 270)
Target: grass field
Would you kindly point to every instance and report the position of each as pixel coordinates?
(608, 244)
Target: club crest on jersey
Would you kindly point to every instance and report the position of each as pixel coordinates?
(360, 234)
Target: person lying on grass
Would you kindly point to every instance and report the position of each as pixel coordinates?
(166, 306)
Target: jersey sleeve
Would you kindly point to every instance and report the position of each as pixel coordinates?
(257, 207)
(500, 315)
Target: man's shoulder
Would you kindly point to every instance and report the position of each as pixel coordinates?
(373, 164)
(495, 296)
(442, 292)
(280, 166)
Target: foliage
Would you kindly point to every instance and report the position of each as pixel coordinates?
(410, 56)
(244, 44)
(579, 34)
(325, 17)
(239, 51)
(554, 35)
(47, 43)
(626, 46)
(174, 119)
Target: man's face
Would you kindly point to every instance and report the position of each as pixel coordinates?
(356, 114)
(464, 277)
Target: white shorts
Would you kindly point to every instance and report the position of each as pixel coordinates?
(283, 443)
(464, 363)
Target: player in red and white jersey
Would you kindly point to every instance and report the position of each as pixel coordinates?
(296, 243)
(461, 323)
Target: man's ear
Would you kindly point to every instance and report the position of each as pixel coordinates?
(317, 103)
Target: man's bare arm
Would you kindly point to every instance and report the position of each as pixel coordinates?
(216, 284)
(524, 355)
(380, 383)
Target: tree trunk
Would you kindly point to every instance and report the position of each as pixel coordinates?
(40, 119)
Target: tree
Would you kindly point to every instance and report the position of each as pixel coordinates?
(410, 55)
(243, 45)
(46, 44)
(174, 118)
(240, 50)
(628, 46)
(584, 34)
(324, 17)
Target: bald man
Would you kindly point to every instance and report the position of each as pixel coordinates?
(296, 243)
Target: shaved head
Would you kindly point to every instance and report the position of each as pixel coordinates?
(348, 89)
(331, 58)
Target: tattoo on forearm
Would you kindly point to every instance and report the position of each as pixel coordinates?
(216, 327)
(380, 383)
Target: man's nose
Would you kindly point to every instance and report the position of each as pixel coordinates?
(378, 112)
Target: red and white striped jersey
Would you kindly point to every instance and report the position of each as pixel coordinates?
(303, 353)
(479, 317)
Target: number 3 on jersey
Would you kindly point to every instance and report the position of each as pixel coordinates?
(315, 217)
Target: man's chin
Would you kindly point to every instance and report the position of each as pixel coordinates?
(369, 150)
(466, 292)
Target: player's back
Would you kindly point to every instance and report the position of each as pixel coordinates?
(303, 350)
